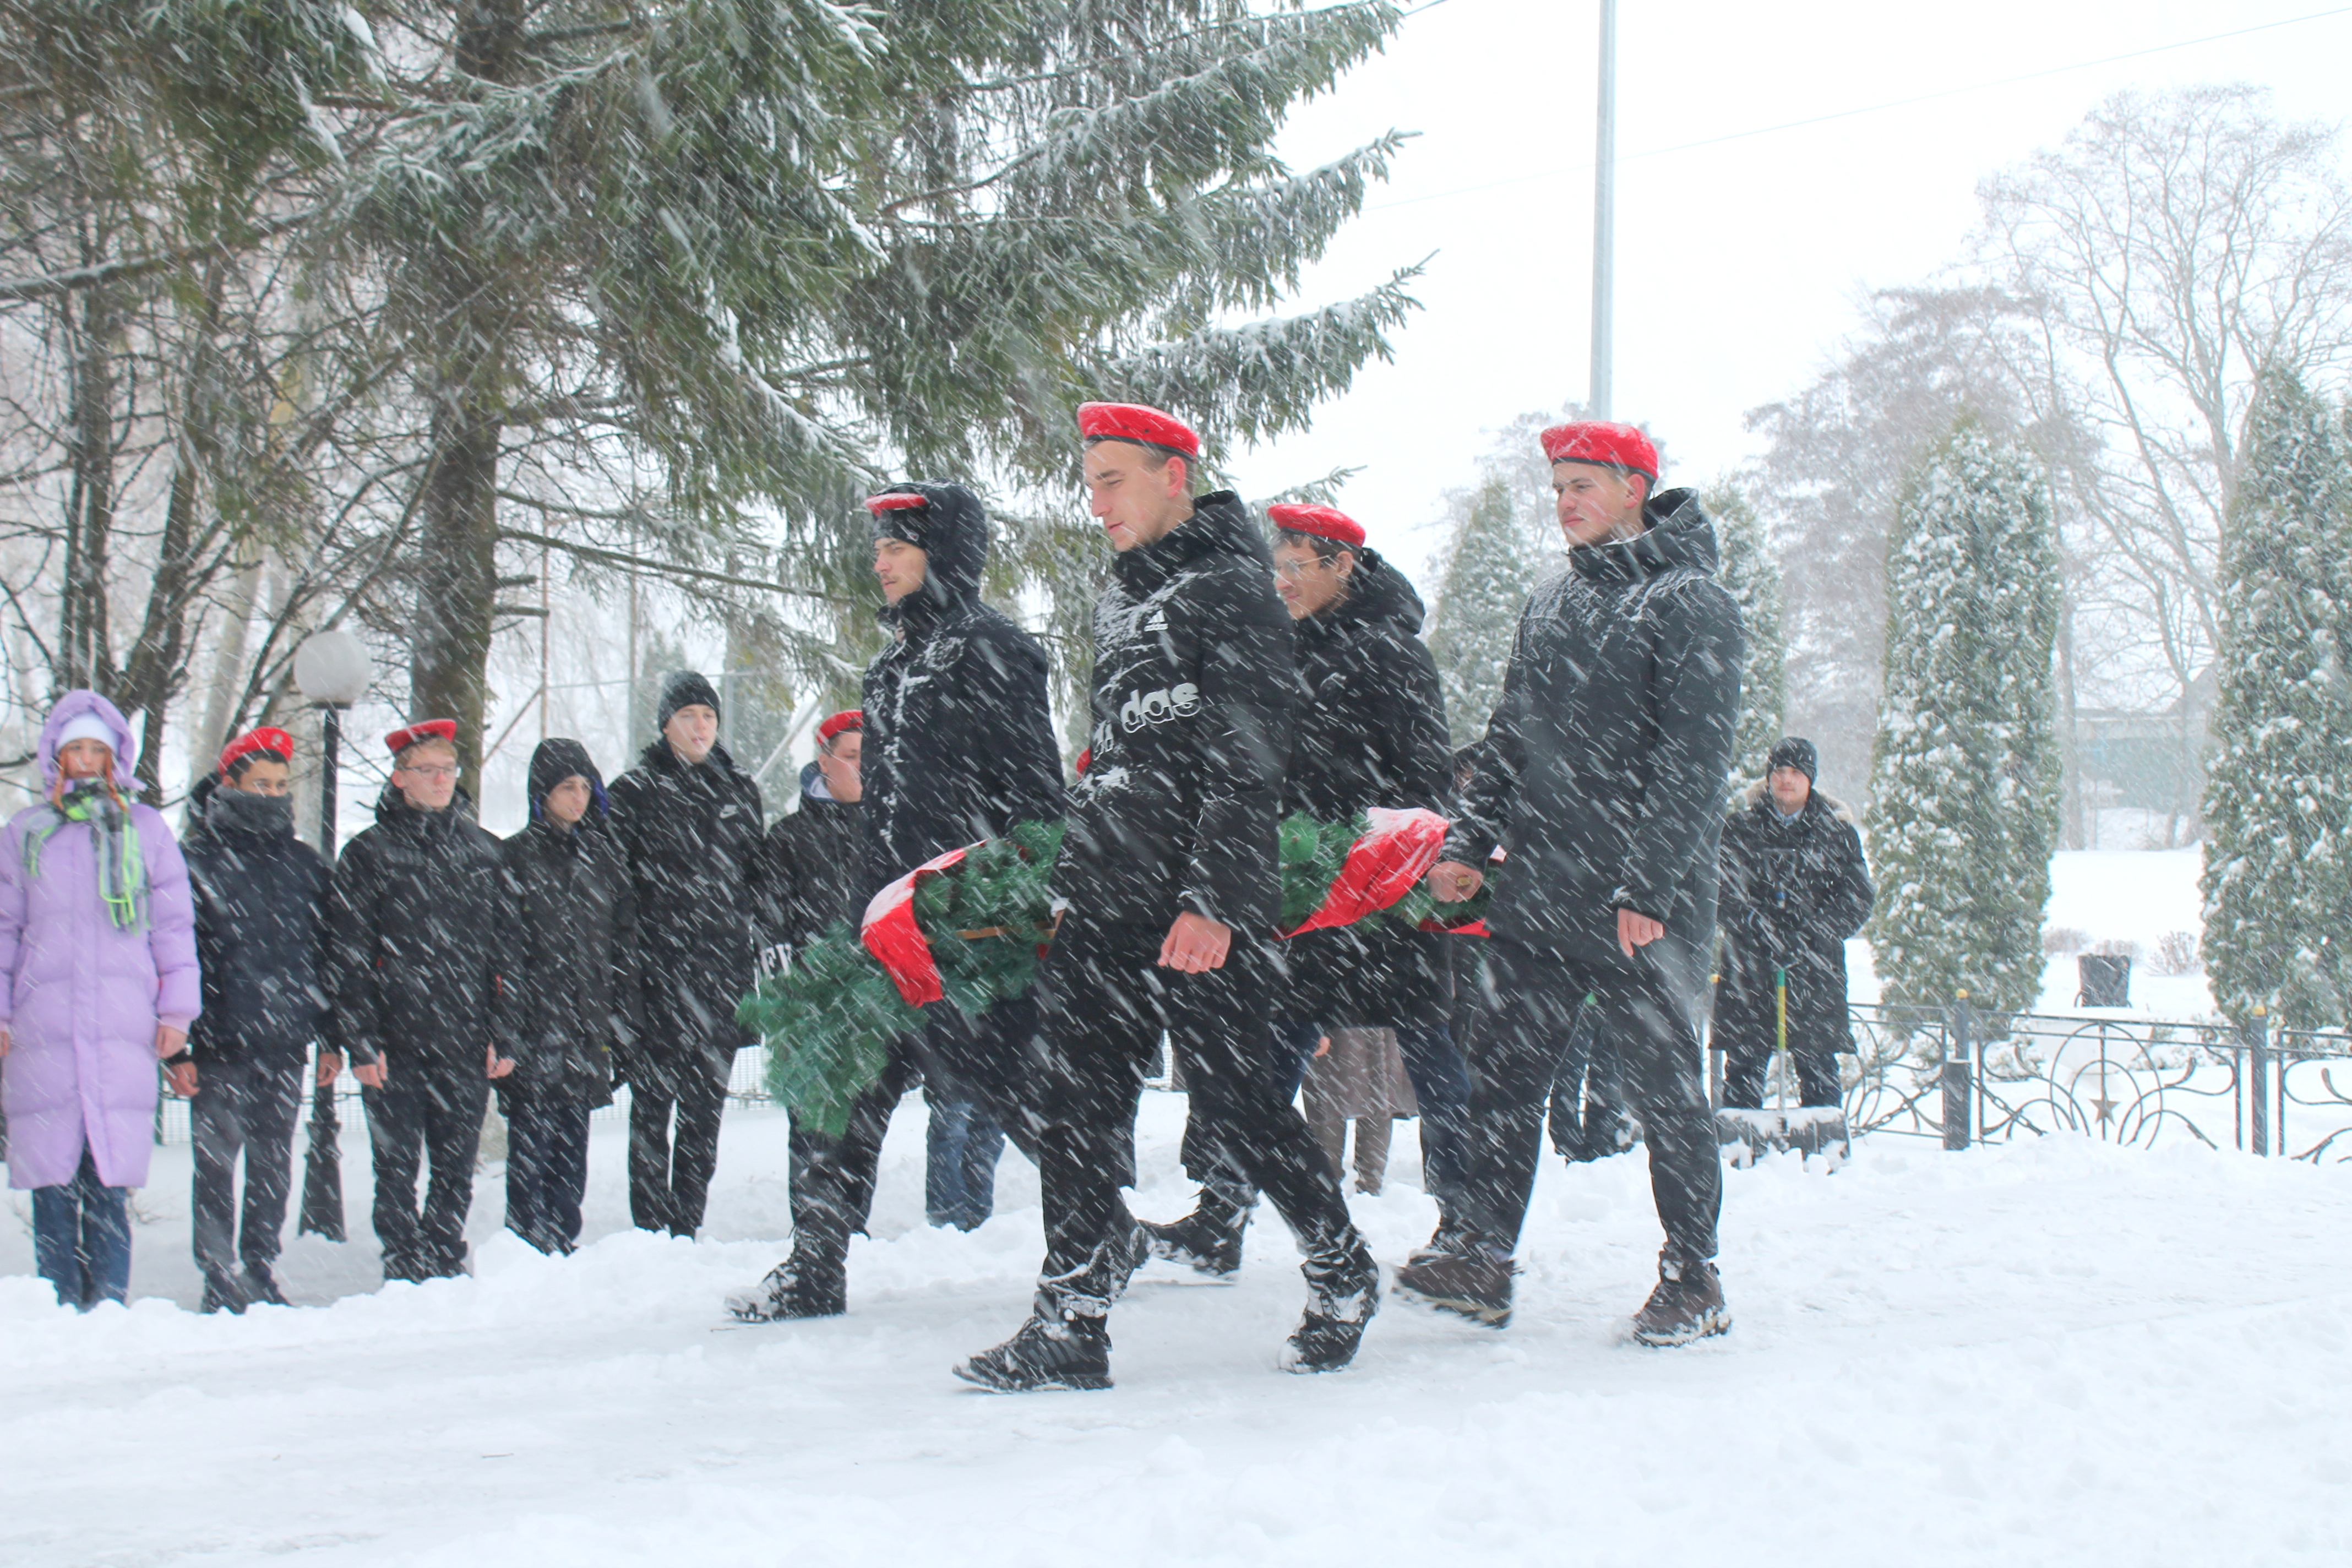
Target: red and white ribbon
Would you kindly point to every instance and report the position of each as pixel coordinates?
(1381, 866)
(896, 943)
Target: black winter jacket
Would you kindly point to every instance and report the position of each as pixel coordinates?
(1369, 730)
(1193, 685)
(574, 998)
(692, 836)
(261, 926)
(419, 926)
(1793, 892)
(1601, 770)
(959, 728)
(815, 875)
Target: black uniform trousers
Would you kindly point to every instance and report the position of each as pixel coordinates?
(1104, 1002)
(426, 1112)
(669, 1174)
(1644, 1015)
(244, 1108)
(547, 1167)
(990, 1059)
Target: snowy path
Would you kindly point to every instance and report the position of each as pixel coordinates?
(2056, 1352)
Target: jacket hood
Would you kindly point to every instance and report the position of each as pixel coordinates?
(558, 758)
(1761, 790)
(72, 706)
(1379, 595)
(953, 527)
(1220, 525)
(812, 790)
(1680, 533)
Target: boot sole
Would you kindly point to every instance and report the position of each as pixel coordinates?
(1713, 1322)
(1071, 1382)
(1484, 1313)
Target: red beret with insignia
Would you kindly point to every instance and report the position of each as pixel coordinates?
(423, 730)
(1144, 426)
(1599, 441)
(1323, 521)
(848, 719)
(252, 740)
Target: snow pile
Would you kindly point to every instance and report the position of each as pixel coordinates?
(2058, 1351)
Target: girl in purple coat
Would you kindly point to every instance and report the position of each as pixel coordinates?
(98, 953)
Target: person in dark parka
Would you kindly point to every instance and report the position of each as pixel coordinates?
(689, 822)
(419, 923)
(572, 1001)
(1368, 730)
(1602, 772)
(261, 937)
(958, 739)
(815, 876)
(1794, 888)
(1170, 871)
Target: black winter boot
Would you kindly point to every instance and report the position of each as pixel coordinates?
(1343, 1291)
(1062, 1346)
(259, 1285)
(1474, 1281)
(223, 1293)
(1687, 1305)
(1450, 1239)
(801, 1286)
(1209, 1239)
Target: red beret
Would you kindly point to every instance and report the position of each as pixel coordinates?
(1599, 441)
(422, 730)
(1323, 521)
(848, 719)
(895, 500)
(1144, 426)
(262, 740)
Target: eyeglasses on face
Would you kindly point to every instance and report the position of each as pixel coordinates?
(428, 771)
(1295, 570)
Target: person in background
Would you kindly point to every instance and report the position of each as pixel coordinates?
(571, 999)
(261, 935)
(419, 924)
(98, 948)
(1794, 888)
(690, 823)
(1358, 1076)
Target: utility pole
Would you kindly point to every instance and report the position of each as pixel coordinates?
(1604, 218)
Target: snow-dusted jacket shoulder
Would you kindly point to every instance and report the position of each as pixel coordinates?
(82, 996)
(958, 724)
(1601, 770)
(1193, 689)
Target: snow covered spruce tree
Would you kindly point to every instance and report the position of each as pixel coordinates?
(1963, 776)
(1752, 573)
(1482, 587)
(2278, 803)
(731, 258)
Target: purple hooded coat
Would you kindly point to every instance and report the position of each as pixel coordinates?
(81, 998)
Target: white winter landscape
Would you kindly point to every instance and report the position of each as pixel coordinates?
(2054, 1352)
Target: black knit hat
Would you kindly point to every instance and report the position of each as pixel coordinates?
(683, 689)
(1795, 752)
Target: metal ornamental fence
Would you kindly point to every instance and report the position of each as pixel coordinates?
(1964, 1076)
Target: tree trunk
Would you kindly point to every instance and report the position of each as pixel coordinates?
(82, 653)
(457, 578)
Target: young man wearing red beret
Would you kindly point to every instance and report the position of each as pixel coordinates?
(419, 923)
(1369, 730)
(1602, 774)
(261, 925)
(1169, 868)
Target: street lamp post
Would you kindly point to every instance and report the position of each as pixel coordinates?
(1604, 219)
(331, 669)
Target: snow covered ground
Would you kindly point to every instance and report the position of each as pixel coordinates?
(2055, 1353)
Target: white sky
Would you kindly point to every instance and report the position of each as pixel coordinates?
(1738, 264)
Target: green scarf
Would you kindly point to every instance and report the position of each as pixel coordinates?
(121, 868)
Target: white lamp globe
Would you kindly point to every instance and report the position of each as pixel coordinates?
(333, 668)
